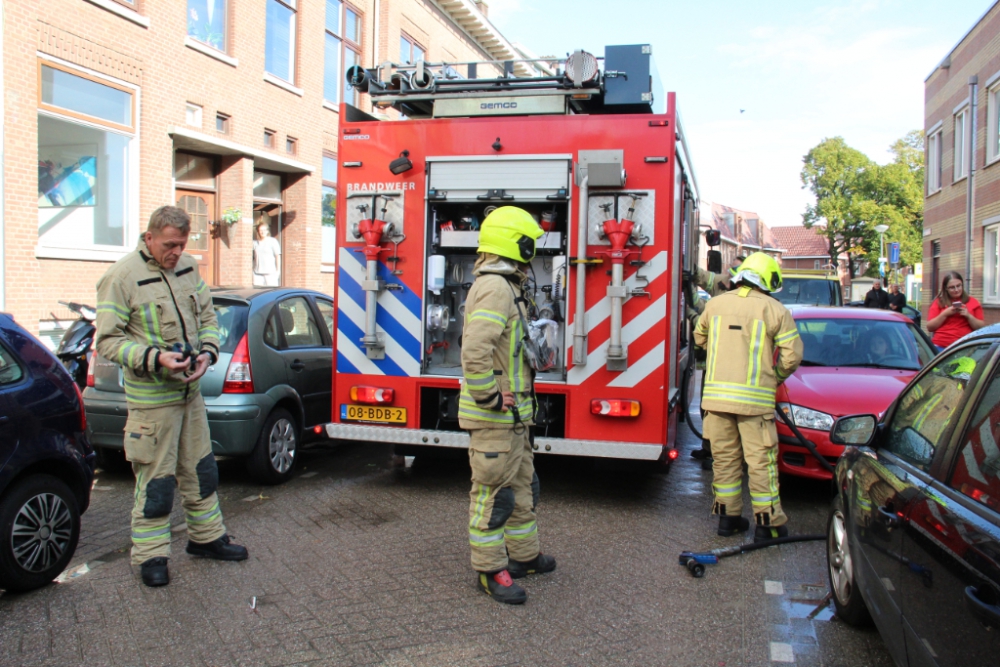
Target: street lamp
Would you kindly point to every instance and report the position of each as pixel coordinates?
(881, 229)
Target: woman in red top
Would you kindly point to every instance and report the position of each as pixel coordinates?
(953, 313)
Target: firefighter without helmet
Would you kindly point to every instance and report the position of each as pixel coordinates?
(509, 232)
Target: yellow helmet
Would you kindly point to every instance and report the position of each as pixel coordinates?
(509, 232)
(761, 270)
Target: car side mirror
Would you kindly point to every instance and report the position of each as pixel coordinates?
(713, 237)
(857, 430)
(714, 261)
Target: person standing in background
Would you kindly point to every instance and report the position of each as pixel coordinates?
(896, 298)
(266, 256)
(953, 313)
(877, 297)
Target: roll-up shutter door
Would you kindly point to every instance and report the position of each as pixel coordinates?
(468, 179)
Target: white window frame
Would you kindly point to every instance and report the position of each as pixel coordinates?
(960, 154)
(991, 261)
(193, 114)
(934, 136)
(993, 123)
(293, 39)
(96, 252)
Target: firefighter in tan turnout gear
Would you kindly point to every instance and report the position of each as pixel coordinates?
(155, 319)
(741, 331)
(496, 407)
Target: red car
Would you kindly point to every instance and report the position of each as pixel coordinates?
(855, 361)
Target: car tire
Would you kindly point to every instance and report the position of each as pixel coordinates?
(276, 453)
(112, 460)
(39, 530)
(847, 599)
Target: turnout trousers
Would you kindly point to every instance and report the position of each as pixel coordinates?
(503, 498)
(752, 438)
(170, 448)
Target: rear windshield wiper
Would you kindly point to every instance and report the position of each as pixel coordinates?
(810, 363)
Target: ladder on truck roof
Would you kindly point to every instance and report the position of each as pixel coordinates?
(576, 85)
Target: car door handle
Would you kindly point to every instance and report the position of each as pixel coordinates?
(297, 365)
(889, 518)
(988, 614)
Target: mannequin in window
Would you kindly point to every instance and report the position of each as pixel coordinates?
(266, 256)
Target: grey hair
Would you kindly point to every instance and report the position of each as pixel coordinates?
(169, 216)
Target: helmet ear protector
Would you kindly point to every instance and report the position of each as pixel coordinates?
(526, 246)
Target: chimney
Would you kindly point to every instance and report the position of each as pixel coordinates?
(483, 8)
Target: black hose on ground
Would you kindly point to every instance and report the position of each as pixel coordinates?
(805, 443)
(753, 546)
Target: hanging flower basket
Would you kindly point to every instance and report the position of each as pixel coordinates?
(231, 216)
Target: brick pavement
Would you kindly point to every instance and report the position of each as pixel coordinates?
(361, 562)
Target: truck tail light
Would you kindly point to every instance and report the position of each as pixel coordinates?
(239, 376)
(614, 407)
(372, 395)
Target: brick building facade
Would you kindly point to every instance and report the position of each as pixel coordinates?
(742, 232)
(955, 128)
(228, 108)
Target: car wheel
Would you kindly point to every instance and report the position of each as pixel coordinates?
(112, 460)
(39, 529)
(843, 585)
(276, 453)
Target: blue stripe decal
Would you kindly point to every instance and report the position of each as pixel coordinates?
(407, 297)
(344, 366)
(390, 326)
(355, 334)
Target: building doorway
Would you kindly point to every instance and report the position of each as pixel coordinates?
(267, 209)
(195, 192)
(200, 206)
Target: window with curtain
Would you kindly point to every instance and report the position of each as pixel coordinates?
(279, 39)
(207, 22)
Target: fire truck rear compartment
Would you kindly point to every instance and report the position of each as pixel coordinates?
(439, 412)
(462, 193)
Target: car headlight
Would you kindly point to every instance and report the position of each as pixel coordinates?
(807, 418)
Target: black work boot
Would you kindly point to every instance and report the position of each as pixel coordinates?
(731, 525)
(154, 572)
(540, 564)
(501, 587)
(219, 549)
(765, 533)
(704, 453)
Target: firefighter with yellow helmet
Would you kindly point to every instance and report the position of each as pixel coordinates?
(496, 407)
(741, 330)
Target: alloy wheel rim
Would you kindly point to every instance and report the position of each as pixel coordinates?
(839, 557)
(42, 531)
(282, 446)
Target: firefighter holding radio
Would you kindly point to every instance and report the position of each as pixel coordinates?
(741, 331)
(496, 407)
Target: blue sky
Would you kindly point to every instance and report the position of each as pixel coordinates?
(802, 71)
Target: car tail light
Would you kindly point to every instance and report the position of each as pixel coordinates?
(90, 371)
(615, 407)
(83, 410)
(239, 376)
(372, 395)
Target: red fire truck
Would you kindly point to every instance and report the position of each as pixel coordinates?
(598, 157)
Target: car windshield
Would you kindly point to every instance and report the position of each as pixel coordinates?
(232, 316)
(811, 291)
(857, 342)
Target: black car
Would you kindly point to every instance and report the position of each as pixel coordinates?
(914, 533)
(46, 462)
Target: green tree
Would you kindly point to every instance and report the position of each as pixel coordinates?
(854, 194)
(838, 176)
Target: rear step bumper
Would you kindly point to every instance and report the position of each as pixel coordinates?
(460, 440)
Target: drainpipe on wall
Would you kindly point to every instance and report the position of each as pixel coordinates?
(970, 205)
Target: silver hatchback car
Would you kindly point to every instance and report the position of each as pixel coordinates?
(269, 390)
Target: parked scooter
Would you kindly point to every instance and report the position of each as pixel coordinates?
(74, 349)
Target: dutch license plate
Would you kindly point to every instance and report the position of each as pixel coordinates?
(371, 413)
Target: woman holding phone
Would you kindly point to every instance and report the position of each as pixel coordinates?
(953, 313)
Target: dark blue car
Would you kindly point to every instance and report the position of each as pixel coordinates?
(46, 461)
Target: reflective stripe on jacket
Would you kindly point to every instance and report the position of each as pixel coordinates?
(142, 310)
(741, 331)
(491, 360)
